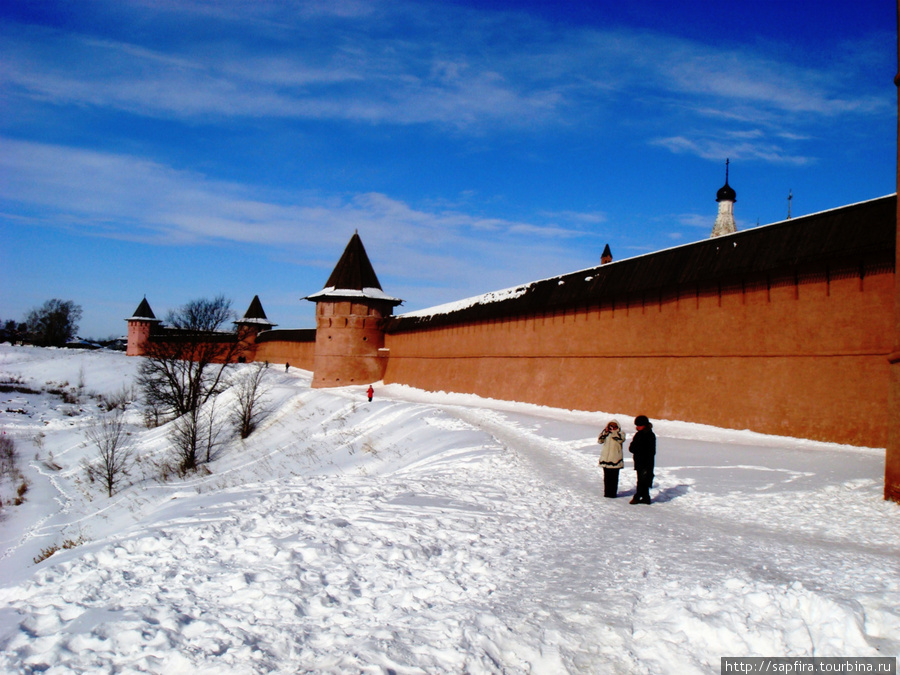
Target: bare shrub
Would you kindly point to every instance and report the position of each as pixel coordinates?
(251, 392)
(67, 393)
(185, 437)
(153, 416)
(118, 400)
(114, 455)
(211, 438)
(194, 435)
(20, 493)
(46, 553)
(8, 456)
(53, 548)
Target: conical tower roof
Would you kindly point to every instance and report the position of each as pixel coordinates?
(606, 256)
(143, 313)
(353, 271)
(353, 276)
(255, 314)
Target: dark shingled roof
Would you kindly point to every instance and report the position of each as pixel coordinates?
(255, 310)
(848, 240)
(255, 314)
(353, 277)
(143, 312)
(353, 271)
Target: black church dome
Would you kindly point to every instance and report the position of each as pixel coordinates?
(726, 193)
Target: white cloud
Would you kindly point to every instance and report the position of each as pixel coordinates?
(715, 148)
(123, 197)
(413, 63)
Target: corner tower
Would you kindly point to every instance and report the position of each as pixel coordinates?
(726, 196)
(250, 325)
(141, 325)
(350, 313)
(254, 320)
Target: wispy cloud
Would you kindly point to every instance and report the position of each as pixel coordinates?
(414, 63)
(128, 198)
(708, 146)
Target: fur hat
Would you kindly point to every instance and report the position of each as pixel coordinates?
(641, 421)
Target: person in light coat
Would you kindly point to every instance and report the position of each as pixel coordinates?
(611, 438)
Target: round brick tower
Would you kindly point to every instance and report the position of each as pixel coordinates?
(350, 313)
(249, 326)
(140, 326)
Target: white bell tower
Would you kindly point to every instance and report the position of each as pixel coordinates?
(726, 197)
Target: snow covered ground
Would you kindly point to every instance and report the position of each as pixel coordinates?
(429, 533)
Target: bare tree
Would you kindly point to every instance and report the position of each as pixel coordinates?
(12, 331)
(186, 368)
(110, 437)
(194, 432)
(211, 422)
(53, 323)
(185, 436)
(250, 390)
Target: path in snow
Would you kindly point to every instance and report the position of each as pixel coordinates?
(710, 577)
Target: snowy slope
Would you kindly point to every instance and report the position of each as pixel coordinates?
(430, 533)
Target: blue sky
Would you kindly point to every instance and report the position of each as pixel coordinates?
(183, 149)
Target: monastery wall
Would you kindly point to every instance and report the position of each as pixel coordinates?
(804, 357)
(298, 354)
(296, 347)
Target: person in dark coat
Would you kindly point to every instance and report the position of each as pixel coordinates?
(611, 438)
(643, 447)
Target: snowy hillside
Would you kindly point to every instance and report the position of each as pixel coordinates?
(427, 533)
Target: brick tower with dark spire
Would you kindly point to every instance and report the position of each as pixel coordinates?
(250, 326)
(350, 313)
(141, 325)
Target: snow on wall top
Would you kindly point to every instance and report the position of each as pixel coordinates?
(370, 293)
(485, 299)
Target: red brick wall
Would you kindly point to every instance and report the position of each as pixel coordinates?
(805, 359)
(298, 354)
(892, 455)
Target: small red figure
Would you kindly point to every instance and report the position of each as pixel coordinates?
(370, 393)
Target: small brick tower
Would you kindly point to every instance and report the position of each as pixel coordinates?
(606, 256)
(250, 325)
(140, 326)
(350, 313)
